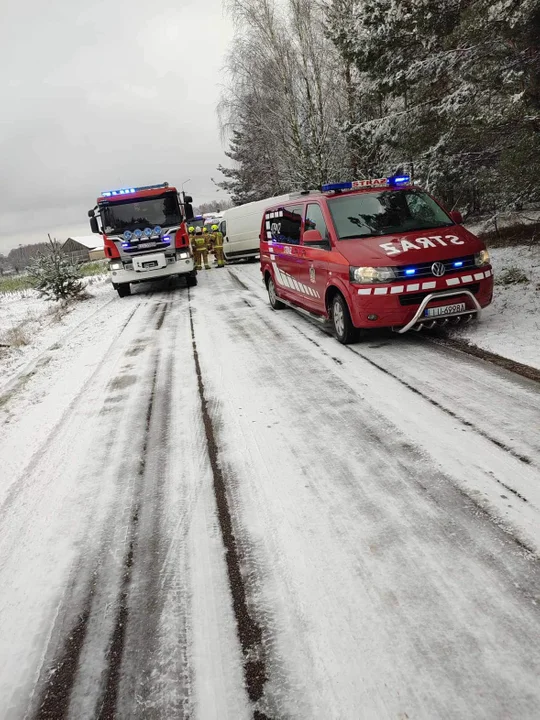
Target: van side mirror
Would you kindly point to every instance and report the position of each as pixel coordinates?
(94, 225)
(457, 217)
(313, 238)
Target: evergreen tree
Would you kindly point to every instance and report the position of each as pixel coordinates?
(55, 276)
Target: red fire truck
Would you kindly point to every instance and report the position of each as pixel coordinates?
(372, 254)
(145, 234)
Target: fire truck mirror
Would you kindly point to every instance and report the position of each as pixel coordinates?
(188, 209)
(90, 213)
(456, 216)
(94, 225)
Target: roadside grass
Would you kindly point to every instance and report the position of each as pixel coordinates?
(15, 283)
(511, 276)
(98, 267)
(15, 337)
(18, 283)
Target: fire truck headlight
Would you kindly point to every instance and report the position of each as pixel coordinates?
(368, 275)
(183, 255)
(138, 233)
(157, 230)
(115, 266)
(148, 232)
(482, 258)
(128, 235)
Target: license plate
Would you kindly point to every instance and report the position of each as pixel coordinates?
(153, 263)
(445, 310)
(142, 246)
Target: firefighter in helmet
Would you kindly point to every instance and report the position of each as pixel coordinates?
(218, 246)
(200, 249)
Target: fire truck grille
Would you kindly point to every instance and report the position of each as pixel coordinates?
(423, 270)
(147, 247)
(416, 298)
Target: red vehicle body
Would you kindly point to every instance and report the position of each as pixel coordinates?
(364, 254)
(145, 235)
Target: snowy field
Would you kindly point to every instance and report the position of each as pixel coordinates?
(214, 511)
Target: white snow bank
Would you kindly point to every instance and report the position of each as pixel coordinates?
(29, 324)
(511, 325)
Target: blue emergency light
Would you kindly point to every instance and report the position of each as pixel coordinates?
(399, 180)
(410, 271)
(379, 182)
(130, 191)
(337, 186)
(459, 263)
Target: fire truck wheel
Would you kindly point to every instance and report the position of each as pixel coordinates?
(344, 330)
(272, 295)
(124, 289)
(191, 280)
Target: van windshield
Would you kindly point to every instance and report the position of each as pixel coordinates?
(388, 212)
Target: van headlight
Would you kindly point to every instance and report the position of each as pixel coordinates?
(115, 266)
(368, 275)
(482, 258)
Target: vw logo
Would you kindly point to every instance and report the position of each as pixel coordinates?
(438, 269)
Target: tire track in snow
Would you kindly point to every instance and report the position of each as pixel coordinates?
(249, 630)
(62, 675)
(18, 486)
(525, 459)
(501, 445)
(149, 660)
(412, 484)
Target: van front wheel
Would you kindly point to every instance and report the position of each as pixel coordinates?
(272, 295)
(344, 330)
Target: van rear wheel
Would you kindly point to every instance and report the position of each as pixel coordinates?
(272, 295)
(344, 330)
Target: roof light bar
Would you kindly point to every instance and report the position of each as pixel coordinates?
(130, 191)
(370, 183)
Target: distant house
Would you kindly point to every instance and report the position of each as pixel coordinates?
(83, 249)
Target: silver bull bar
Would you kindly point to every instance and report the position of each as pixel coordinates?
(418, 316)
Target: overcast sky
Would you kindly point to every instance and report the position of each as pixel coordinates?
(99, 94)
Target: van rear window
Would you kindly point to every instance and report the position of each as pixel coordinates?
(388, 212)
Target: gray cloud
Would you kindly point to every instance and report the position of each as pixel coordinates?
(102, 95)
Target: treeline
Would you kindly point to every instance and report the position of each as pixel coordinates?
(215, 206)
(346, 89)
(20, 257)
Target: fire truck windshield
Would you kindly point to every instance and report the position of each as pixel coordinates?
(134, 213)
(388, 212)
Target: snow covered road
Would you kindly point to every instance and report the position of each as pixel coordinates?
(212, 510)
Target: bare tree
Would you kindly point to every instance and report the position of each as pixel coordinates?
(282, 105)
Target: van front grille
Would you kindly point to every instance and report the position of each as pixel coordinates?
(416, 298)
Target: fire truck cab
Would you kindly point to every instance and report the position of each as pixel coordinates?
(145, 234)
(377, 253)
